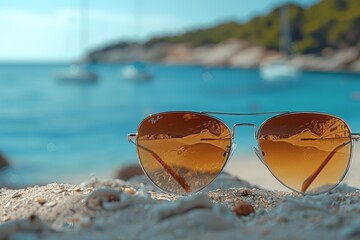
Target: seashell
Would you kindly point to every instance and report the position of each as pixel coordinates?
(242, 208)
(16, 194)
(58, 190)
(98, 197)
(50, 204)
(130, 191)
(163, 197)
(77, 189)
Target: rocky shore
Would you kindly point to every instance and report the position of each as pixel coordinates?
(230, 53)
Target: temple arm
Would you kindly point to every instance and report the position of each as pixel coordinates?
(180, 180)
(309, 180)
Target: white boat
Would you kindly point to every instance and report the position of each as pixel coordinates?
(77, 73)
(80, 72)
(137, 72)
(279, 69)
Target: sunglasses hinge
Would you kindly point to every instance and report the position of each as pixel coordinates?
(132, 136)
(355, 136)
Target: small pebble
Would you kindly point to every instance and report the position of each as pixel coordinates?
(245, 192)
(75, 220)
(6, 218)
(41, 201)
(283, 219)
(242, 208)
(265, 232)
(85, 222)
(99, 224)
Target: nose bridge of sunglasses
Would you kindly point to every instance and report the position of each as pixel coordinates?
(243, 125)
(243, 138)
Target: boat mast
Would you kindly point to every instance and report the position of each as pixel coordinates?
(84, 31)
(285, 38)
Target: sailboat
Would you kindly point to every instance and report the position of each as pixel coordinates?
(80, 72)
(77, 73)
(280, 69)
(137, 71)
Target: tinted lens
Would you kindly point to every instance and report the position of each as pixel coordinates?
(182, 152)
(308, 152)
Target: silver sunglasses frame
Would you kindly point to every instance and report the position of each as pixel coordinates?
(132, 137)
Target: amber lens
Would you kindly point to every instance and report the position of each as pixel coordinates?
(181, 151)
(308, 152)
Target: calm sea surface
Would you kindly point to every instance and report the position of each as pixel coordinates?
(60, 131)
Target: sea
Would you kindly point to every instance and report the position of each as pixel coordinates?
(65, 131)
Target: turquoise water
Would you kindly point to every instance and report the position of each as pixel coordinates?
(52, 130)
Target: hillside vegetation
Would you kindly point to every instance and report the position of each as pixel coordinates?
(327, 24)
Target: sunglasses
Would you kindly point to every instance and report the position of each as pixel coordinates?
(183, 152)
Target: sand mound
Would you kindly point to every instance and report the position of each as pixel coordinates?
(115, 209)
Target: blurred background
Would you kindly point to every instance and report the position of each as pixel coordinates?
(76, 76)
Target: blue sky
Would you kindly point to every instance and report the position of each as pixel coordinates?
(50, 30)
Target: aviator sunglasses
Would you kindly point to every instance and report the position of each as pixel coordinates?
(183, 152)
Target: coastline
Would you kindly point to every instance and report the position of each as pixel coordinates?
(232, 53)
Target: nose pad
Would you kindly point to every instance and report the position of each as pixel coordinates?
(260, 156)
(233, 147)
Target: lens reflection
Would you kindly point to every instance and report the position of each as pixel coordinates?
(308, 152)
(182, 152)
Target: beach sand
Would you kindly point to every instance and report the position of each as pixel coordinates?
(230, 208)
(250, 167)
(135, 209)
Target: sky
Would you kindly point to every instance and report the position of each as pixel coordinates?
(54, 30)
